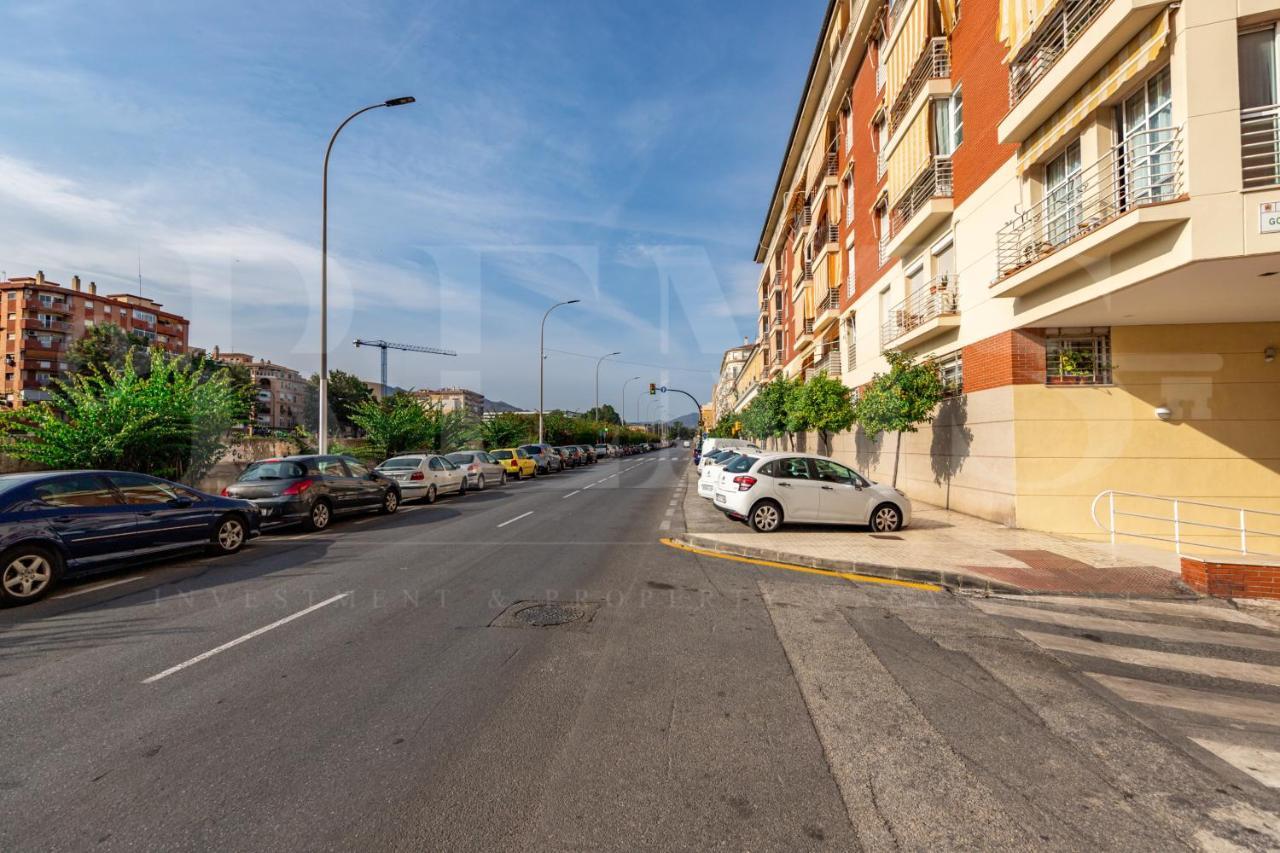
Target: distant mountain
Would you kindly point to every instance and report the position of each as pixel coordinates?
(499, 406)
(690, 420)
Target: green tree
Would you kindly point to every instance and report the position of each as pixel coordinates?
(827, 405)
(393, 425)
(724, 425)
(795, 409)
(106, 345)
(606, 414)
(771, 417)
(171, 421)
(899, 401)
(346, 391)
(446, 431)
(505, 430)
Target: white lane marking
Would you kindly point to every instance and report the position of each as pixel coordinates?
(587, 486)
(94, 588)
(517, 518)
(1261, 764)
(249, 636)
(571, 494)
(598, 482)
(670, 510)
(665, 525)
(1254, 673)
(1153, 630)
(1165, 608)
(1236, 708)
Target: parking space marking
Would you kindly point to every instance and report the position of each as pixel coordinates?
(571, 494)
(94, 588)
(245, 638)
(517, 518)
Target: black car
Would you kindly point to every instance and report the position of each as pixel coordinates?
(312, 490)
(56, 524)
(571, 455)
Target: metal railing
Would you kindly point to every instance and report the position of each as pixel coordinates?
(882, 164)
(806, 327)
(1052, 39)
(850, 354)
(935, 298)
(1260, 146)
(777, 319)
(831, 360)
(1184, 520)
(934, 64)
(830, 300)
(881, 76)
(934, 182)
(1144, 169)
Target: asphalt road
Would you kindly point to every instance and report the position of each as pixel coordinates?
(370, 688)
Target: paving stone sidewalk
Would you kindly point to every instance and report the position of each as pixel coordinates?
(945, 547)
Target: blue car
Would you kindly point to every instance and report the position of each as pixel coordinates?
(56, 524)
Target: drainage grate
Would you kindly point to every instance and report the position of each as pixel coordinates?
(546, 615)
(572, 615)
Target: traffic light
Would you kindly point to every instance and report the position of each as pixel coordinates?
(653, 388)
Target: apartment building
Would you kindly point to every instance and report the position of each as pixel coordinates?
(43, 318)
(279, 392)
(724, 392)
(1073, 207)
(454, 400)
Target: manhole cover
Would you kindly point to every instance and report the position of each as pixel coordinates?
(547, 615)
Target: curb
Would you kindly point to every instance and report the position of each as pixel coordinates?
(954, 581)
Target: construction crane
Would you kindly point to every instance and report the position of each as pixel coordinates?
(386, 345)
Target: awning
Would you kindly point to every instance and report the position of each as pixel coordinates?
(808, 302)
(911, 157)
(1019, 20)
(1134, 58)
(907, 48)
(948, 10)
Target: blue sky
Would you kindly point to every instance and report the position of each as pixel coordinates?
(596, 150)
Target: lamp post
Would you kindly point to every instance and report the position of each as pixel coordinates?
(600, 361)
(542, 356)
(623, 413)
(323, 432)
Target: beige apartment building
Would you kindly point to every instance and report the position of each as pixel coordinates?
(454, 400)
(279, 392)
(1073, 207)
(42, 318)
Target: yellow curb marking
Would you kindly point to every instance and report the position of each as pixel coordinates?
(791, 567)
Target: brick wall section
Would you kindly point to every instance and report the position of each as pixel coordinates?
(976, 65)
(1015, 357)
(1231, 580)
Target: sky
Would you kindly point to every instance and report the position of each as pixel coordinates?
(620, 152)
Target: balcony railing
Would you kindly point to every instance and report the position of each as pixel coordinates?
(830, 301)
(1144, 169)
(1055, 35)
(881, 76)
(934, 182)
(882, 164)
(807, 326)
(831, 360)
(938, 297)
(1260, 146)
(850, 354)
(777, 319)
(934, 64)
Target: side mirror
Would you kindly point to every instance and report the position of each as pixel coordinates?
(179, 503)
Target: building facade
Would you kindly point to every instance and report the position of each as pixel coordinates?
(280, 392)
(724, 392)
(43, 318)
(1083, 233)
(454, 400)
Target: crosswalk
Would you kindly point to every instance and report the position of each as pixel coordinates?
(1204, 669)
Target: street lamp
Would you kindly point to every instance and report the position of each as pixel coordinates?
(542, 357)
(600, 361)
(323, 438)
(623, 414)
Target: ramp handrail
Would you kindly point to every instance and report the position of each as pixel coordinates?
(1179, 522)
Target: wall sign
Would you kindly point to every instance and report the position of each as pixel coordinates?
(1269, 217)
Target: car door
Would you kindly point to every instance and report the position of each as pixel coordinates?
(439, 475)
(337, 481)
(453, 474)
(798, 489)
(844, 498)
(166, 516)
(365, 485)
(87, 515)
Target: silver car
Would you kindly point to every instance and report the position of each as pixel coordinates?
(481, 469)
(425, 475)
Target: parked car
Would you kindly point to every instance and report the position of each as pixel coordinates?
(709, 471)
(59, 524)
(481, 468)
(425, 476)
(767, 490)
(547, 460)
(722, 453)
(312, 490)
(602, 451)
(686, 442)
(588, 453)
(572, 456)
(516, 462)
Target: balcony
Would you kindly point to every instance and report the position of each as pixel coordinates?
(58, 306)
(922, 208)
(830, 361)
(828, 309)
(777, 319)
(934, 64)
(931, 310)
(1058, 33)
(45, 325)
(806, 333)
(1260, 146)
(1134, 191)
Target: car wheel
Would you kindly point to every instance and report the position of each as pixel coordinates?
(390, 502)
(462, 487)
(765, 517)
(502, 478)
(886, 519)
(230, 535)
(480, 483)
(319, 517)
(27, 573)
(431, 494)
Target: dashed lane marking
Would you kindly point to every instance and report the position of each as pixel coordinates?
(87, 589)
(517, 518)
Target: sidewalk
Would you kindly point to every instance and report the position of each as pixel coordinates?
(949, 548)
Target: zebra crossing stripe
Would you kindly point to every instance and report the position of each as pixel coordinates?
(1238, 708)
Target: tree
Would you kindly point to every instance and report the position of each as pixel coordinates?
(505, 430)
(106, 345)
(446, 431)
(393, 425)
(346, 391)
(796, 413)
(900, 400)
(724, 426)
(606, 414)
(771, 418)
(827, 405)
(171, 421)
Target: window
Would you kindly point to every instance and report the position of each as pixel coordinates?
(357, 469)
(948, 123)
(1063, 187)
(833, 472)
(330, 465)
(1147, 159)
(796, 468)
(915, 277)
(436, 464)
(951, 372)
(848, 267)
(1078, 357)
(79, 490)
(1259, 107)
(139, 490)
(944, 259)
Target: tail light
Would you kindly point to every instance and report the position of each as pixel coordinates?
(744, 482)
(298, 487)
(473, 467)
(417, 475)
(225, 493)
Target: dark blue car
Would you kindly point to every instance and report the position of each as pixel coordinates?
(61, 523)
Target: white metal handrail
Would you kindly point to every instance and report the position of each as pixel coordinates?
(1260, 146)
(1179, 521)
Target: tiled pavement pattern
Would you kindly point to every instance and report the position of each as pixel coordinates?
(1204, 670)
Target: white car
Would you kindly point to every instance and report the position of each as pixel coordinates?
(710, 468)
(425, 475)
(773, 488)
(711, 456)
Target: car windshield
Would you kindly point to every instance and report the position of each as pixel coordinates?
(460, 458)
(502, 454)
(401, 462)
(272, 469)
(740, 464)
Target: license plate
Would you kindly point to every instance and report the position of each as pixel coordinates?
(720, 499)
